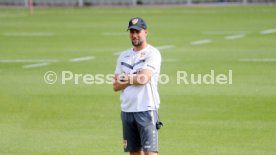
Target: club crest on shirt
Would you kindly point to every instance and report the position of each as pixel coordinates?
(125, 144)
(142, 55)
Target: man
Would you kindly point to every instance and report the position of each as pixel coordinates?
(136, 76)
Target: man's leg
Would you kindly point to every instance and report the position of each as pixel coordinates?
(146, 123)
(132, 142)
(136, 153)
(151, 153)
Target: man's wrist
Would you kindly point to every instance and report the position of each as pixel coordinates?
(123, 77)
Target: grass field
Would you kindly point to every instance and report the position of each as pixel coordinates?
(37, 118)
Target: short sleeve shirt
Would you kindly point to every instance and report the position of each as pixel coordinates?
(136, 98)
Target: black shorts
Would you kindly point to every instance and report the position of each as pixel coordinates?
(139, 131)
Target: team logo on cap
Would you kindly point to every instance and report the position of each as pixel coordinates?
(134, 21)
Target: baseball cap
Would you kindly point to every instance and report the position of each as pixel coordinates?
(137, 23)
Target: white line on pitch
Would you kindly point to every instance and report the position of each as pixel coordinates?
(36, 65)
(28, 34)
(117, 53)
(27, 60)
(82, 59)
(114, 33)
(165, 47)
(268, 31)
(223, 32)
(158, 47)
(5, 15)
(198, 42)
(258, 60)
(238, 36)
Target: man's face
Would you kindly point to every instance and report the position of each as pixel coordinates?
(137, 37)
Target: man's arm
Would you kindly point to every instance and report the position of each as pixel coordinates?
(141, 78)
(119, 85)
(124, 80)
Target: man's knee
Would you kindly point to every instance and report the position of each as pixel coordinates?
(136, 153)
(151, 153)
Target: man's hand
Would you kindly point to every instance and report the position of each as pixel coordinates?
(123, 77)
(119, 84)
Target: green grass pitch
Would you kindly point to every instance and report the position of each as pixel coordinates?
(41, 119)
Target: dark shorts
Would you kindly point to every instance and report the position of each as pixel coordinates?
(139, 131)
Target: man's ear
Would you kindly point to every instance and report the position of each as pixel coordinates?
(146, 31)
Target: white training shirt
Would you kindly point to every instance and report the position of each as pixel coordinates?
(135, 98)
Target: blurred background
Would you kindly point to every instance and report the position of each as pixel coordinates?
(86, 37)
(127, 2)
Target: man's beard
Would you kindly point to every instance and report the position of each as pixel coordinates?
(137, 43)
